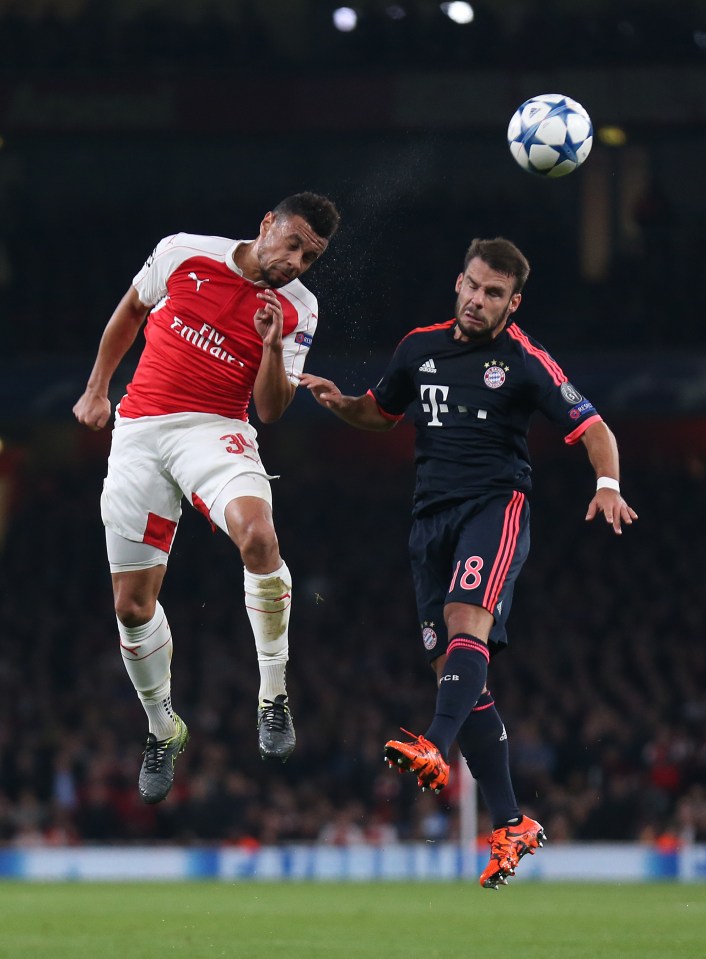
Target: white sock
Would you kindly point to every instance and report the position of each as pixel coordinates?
(147, 654)
(268, 598)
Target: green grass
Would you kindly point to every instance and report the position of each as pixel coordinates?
(351, 921)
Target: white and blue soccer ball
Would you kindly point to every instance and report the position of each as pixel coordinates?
(550, 135)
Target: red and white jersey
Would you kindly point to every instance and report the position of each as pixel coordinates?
(202, 351)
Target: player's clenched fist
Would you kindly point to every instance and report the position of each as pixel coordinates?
(92, 410)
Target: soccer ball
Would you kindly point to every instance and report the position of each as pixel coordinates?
(550, 135)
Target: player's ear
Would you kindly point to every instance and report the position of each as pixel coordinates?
(515, 301)
(459, 283)
(267, 222)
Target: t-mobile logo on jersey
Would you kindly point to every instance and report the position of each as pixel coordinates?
(431, 392)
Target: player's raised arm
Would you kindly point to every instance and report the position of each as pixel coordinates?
(602, 451)
(92, 409)
(359, 411)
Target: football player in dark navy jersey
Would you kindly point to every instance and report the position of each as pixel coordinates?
(471, 404)
(471, 385)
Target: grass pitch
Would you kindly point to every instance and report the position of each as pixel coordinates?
(351, 921)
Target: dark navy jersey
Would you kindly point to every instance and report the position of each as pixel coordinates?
(471, 406)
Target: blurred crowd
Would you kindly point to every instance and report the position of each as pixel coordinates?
(603, 688)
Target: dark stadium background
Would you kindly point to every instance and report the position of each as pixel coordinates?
(123, 122)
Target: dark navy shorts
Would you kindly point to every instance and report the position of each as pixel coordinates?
(469, 553)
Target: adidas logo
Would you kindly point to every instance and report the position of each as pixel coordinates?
(428, 367)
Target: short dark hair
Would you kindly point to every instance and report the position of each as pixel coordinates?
(318, 211)
(501, 255)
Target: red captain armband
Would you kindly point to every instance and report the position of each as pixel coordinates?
(388, 416)
(575, 435)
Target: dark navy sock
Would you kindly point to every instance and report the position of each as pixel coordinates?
(462, 682)
(483, 743)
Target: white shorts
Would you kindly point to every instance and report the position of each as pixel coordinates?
(155, 460)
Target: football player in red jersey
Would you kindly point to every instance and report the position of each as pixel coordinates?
(226, 321)
(471, 384)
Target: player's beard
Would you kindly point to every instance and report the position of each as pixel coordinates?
(274, 276)
(484, 333)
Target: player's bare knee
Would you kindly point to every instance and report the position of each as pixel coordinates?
(465, 618)
(259, 549)
(134, 611)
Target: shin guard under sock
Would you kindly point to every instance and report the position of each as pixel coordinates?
(483, 743)
(147, 655)
(462, 682)
(268, 599)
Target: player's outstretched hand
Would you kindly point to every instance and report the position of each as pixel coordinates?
(614, 508)
(268, 319)
(92, 410)
(324, 391)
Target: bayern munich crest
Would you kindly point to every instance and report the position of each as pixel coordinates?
(429, 637)
(494, 375)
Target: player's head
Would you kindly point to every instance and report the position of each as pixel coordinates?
(293, 236)
(318, 211)
(503, 257)
(489, 289)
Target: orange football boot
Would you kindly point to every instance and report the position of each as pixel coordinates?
(508, 845)
(421, 757)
